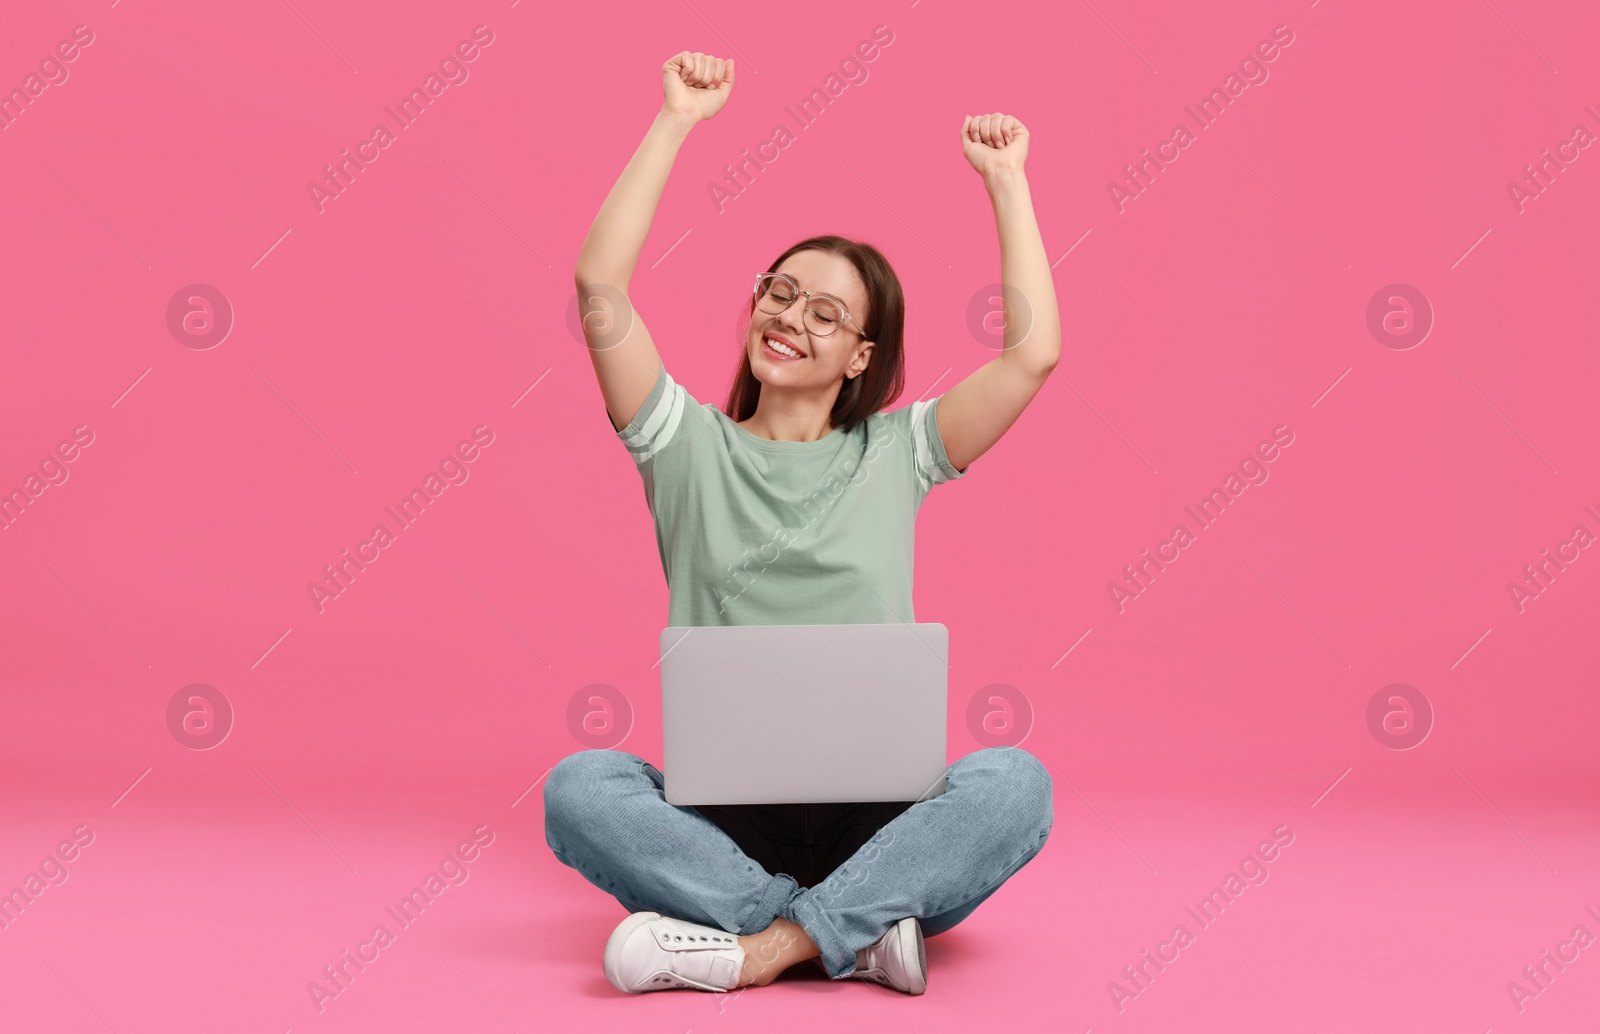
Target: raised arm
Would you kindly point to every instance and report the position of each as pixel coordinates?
(694, 87)
(976, 412)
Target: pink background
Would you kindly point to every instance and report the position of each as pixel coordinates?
(1230, 298)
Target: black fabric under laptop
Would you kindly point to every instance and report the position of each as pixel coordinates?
(804, 841)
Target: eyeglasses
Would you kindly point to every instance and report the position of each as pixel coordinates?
(824, 314)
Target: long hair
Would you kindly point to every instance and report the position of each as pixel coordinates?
(884, 378)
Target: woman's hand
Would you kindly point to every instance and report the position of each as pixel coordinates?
(994, 143)
(696, 86)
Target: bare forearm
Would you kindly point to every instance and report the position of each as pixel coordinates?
(1033, 336)
(616, 237)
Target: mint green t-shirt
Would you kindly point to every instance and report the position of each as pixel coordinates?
(758, 532)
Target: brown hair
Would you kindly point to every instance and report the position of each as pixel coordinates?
(884, 378)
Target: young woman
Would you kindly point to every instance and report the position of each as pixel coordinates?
(796, 506)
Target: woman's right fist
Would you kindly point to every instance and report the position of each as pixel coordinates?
(696, 86)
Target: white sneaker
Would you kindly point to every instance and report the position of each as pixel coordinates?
(896, 960)
(651, 952)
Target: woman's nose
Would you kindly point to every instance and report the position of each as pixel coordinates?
(792, 317)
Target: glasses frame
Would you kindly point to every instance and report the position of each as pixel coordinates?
(786, 278)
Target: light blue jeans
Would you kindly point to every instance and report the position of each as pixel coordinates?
(606, 815)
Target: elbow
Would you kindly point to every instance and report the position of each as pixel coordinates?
(588, 275)
(1032, 368)
(1046, 363)
(1039, 367)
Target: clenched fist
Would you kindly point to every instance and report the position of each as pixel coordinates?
(696, 86)
(994, 143)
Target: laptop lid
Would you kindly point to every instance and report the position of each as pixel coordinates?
(804, 714)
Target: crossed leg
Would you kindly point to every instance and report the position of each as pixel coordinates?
(606, 816)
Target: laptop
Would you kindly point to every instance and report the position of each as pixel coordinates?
(804, 714)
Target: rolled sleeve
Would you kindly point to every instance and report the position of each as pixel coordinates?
(932, 464)
(658, 421)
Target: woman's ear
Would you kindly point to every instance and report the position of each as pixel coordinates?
(858, 362)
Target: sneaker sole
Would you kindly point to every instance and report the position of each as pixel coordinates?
(909, 932)
(614, 944)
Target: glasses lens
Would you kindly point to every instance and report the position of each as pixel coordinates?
(774, 295)
(823, 317)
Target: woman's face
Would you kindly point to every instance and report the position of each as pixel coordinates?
(823, 360)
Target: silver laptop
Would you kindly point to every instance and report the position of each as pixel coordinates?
(803, 714)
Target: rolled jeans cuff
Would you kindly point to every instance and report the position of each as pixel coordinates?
(838, 958)
(773, 903)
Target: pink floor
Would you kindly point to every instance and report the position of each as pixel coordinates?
(212, 908)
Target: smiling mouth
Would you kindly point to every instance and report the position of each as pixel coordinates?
(780, 350)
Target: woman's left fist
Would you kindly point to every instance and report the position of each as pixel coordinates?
(994, 143)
